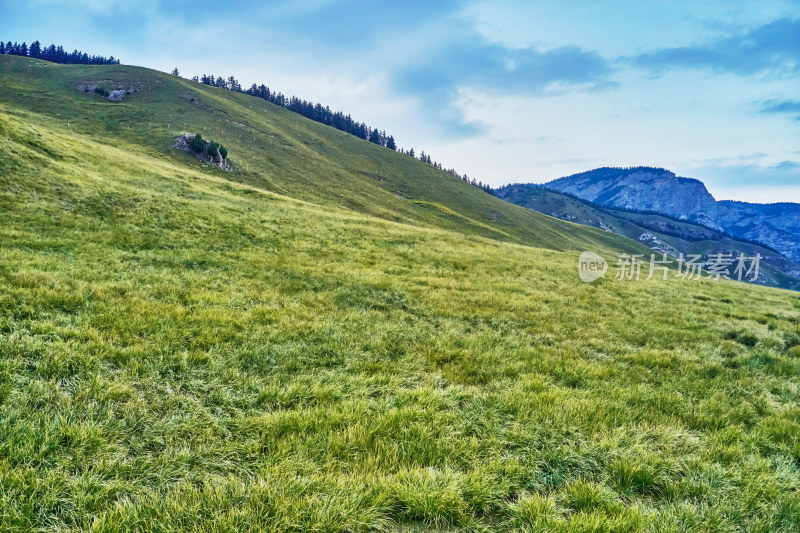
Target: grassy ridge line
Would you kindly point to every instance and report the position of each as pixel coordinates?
(290, 155)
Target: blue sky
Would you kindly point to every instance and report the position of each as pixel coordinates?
(507, 91)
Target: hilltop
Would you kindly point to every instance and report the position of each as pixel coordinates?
(338, 337)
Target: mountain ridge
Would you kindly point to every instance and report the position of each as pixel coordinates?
(662, 191)
(662, 233)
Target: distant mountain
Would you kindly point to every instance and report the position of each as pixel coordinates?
(643, 188)
(661, 191)
(661, 233)
(777, 225)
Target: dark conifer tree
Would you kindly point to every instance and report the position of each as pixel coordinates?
(375, 137)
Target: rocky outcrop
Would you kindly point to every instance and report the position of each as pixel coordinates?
(654, 243)
(183, 143)
(114, 95)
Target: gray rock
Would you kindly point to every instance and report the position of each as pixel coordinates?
(116, 95)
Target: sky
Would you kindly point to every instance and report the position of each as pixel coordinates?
(506, 91)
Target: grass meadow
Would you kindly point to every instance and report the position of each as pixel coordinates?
(184, 350)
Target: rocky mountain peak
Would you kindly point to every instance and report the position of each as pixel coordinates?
(645, 189)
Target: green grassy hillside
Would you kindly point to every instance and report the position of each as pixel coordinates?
(272, 148)
(183, 350)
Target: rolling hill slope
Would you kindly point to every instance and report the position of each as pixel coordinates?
(291, 347)
(272, 148)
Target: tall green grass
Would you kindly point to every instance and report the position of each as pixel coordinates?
(184, 352)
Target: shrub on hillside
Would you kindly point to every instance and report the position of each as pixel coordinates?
(197, 144)
(212, 150)
(206, 148)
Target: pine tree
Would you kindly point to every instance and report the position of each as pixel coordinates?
(2, 48)
(36, 49)
(23, 50)
(175, 72)
(212, 150)
(390, 144)
(375, 137)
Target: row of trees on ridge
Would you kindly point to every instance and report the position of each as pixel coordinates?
(325, 115)
(54, 54)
